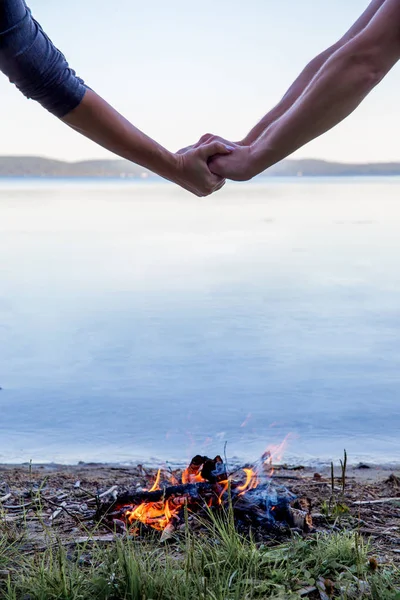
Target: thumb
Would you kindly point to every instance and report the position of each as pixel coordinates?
(216, 164)
(215, 148)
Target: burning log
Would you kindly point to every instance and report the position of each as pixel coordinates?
(202, 468)
(192, 491)
(205, 483)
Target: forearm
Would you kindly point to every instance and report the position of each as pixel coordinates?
(341, 85)
(292, 94)
(97, 120)
(310, 71)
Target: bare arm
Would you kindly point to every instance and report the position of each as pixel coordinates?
(41, 72)
(97, 120)
(306, 76)
(336, 91)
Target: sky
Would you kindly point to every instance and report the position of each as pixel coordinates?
(182, 68)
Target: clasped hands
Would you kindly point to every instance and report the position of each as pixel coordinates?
(205, 166)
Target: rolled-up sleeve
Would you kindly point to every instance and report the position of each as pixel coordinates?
(31, 61)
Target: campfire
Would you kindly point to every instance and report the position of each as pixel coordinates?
(256, 500)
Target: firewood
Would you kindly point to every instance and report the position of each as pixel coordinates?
(380, 501)
(104, 494)
(57, 512)
(214, 470)
(193, 491)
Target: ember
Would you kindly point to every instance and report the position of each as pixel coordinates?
(205, 485)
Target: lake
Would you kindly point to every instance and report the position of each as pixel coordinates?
(138, 322)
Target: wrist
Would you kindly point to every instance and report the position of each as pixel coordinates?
(261, 157)
(169, 164)
(246, 141)
(159, 160)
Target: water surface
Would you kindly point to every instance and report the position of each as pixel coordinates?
(138, 322)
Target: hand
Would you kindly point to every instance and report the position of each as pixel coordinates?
(237, 165)
(207, 138)
(193, 171)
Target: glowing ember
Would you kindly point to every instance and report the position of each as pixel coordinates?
(155, 514)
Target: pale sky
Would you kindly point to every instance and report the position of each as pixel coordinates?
(181, 68)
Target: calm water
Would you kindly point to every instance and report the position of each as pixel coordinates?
(137, 322)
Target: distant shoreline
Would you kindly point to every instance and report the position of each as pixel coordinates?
(306, 467)
(155, 180)
(39, 167)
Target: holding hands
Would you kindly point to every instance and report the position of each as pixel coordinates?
(234, 163)
(194, 172)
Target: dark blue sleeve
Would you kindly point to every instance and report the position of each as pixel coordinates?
(32, 62)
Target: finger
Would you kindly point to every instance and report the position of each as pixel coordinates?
(216, 187)
(200, 143)
(220, 185)
(186, 149)
(215, 147)
(217, 166)
(205, 138)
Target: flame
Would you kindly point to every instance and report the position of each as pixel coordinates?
(252, 481)
(225, 486)
(159, 514)
(188, 477)
(156, 485)
(173, 480)
(192, 474)
(274, 453)
(155, 514)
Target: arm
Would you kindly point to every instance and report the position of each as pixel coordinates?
(97, 120)
(336, 91)
(301, 83)
(41, 72)
(306, 76)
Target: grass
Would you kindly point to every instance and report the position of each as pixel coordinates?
(218, 564)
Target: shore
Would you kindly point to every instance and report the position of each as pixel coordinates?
(365, 488)
(47, 518)
(369, 493)
(104, 472)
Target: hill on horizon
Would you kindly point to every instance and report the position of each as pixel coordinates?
(36, 166)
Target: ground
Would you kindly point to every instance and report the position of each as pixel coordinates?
(44, 507)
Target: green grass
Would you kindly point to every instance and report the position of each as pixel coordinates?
(217, 564)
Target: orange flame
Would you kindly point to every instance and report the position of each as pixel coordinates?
(192, 474)
(274, 453)
(155, 514)
(156, 485)
(225, 486)
(251, 482)
(159, 514)
(188, 477)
